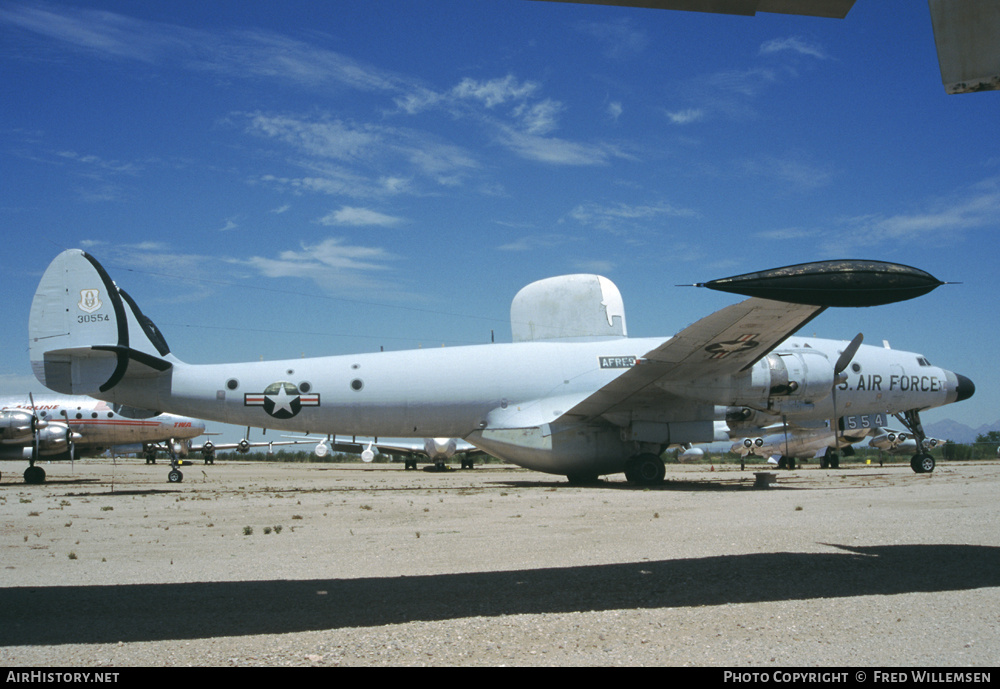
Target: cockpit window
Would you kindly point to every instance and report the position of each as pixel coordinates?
(923, 361)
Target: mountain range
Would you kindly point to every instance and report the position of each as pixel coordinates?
(957, 432)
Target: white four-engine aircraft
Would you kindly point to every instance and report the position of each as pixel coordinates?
(571, 395)
(62, 427)
(437, 450)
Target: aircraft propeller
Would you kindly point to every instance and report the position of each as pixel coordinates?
(843, 361)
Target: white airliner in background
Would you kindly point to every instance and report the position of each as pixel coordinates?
(437, 450)
(571, 395)
(68, 426)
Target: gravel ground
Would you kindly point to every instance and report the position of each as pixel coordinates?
(342, 565)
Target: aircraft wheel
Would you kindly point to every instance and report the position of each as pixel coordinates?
(922, 464)
(175, 476)
(782, 462)
(410, 464)
(34, 475)
(645, 470)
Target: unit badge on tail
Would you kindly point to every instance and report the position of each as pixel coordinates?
(90, 300)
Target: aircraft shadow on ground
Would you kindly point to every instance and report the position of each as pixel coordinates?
(722, 484)
(153, 612)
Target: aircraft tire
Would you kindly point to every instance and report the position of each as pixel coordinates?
(922, 464)
(175, 476)
(34, 476)
(645, 470)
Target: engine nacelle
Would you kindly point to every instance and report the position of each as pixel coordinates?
(888, 441)
(243, 446)
(55, 439)
(747, 446)
(749, 420)
(16, 426)
(782, 383)
(803, 377)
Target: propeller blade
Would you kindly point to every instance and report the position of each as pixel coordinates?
(848, 354)
(34, 430)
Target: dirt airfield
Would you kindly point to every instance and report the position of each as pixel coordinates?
(248, 563)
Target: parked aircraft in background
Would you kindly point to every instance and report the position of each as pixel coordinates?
(899, 443)
(789, 444)
(571, 395)
(178, 449)
(437, 450)
(60, 427)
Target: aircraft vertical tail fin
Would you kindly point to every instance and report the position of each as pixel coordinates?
(85, 334)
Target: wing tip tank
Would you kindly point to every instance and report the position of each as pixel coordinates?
(844, 282)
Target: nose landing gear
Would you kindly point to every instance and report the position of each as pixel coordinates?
(922, 462)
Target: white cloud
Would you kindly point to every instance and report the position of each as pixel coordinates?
(602, 214)
(380, 149)
(944, 220)
(555, 151)
(349, 215)
(794, 44)
(496, 91)
(539, 118)
(313, 261)
(686, 116)
(535, 242)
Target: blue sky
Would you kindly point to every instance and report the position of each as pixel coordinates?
(275, 179)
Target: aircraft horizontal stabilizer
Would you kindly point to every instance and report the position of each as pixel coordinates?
(832, 283)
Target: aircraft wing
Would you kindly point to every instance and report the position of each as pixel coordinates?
(397, 447)
(726, 342)
(835, 9)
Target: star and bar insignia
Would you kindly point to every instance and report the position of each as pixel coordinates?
(720, 350)
(281, 400)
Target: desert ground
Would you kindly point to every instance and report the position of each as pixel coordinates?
(249, 564)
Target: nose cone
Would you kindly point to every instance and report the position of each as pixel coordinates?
(965, 388)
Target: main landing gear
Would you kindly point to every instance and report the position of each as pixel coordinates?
(922, 462)
(645, 469)
(33, 475)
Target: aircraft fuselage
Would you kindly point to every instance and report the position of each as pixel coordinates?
(460, 391)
